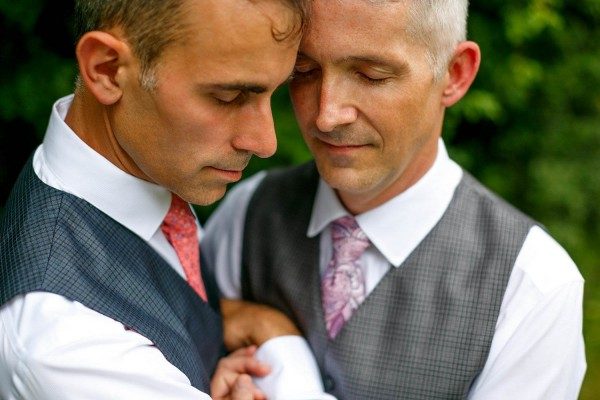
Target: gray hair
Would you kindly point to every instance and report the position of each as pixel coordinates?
(439, 25)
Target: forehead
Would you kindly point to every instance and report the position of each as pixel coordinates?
(350, 28)
(234, 38)
(235, 19)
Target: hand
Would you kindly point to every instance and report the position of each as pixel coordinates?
(246, 323)
(243, 390)
(232, 381)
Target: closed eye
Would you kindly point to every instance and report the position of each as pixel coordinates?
(300, 74)
(232, 93)
(235, 97)
(371, 80)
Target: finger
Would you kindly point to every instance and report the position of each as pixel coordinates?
(256, 368)
(243, 389)
(258, 394)
(244, 362)
(245, 365)
(230, 367)
(244, 351)
(222, 383)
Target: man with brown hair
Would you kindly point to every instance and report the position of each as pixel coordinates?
(98, 238)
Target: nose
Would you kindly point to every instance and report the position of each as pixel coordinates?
(258, 136)
(335, 109)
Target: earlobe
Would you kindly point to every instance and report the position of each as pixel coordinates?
(100, 55)
(461, 72)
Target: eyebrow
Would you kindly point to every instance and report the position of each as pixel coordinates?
(396, 67)
(244, 87)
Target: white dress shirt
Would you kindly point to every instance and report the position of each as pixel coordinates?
(52, 348)
(537, 351)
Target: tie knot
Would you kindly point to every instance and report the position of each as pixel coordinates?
(179, 219)
(349, 241)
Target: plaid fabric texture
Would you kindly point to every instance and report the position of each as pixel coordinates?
(426, 329)
(53, 241)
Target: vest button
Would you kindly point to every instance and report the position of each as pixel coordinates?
(328, 383)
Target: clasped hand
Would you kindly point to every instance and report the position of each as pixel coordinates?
(245, 326)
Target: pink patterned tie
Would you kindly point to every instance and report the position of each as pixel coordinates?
(343, 285)
(179, 227)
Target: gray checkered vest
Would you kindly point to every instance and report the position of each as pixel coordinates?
(55, 242)
(425, 330)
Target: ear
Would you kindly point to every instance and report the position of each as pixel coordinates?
(100, 56)
(461, 72)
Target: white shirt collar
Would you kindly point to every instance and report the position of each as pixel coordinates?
(136, 204)
(396, 227)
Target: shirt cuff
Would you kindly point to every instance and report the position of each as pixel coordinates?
(294, 370)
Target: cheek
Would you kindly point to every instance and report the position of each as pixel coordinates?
(399, 112)
(185, 125)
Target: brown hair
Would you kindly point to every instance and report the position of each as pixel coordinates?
(151, 25)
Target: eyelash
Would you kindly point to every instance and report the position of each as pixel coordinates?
(372, 81)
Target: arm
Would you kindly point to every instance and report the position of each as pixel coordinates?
(537, 351)
(295, 374)
(57, 349)
(51, 342)
(246, 323)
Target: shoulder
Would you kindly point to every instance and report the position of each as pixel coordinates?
(492, 201)
(546, 263)
(541, 258)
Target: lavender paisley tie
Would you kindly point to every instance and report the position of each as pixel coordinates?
(343, 285)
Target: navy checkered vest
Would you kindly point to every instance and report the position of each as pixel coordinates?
(53, 241)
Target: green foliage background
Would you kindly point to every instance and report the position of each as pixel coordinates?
(529, 128)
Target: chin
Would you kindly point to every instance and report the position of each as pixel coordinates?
(343, 179)
(204, 196)
(210, 198)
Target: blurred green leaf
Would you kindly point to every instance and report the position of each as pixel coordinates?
(24, 13)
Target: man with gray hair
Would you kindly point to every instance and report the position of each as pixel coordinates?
(98, 238)
(407, 277)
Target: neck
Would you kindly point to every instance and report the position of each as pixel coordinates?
(90, 121)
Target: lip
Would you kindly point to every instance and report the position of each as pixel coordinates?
(333, 141)
(229, 174)
(340, 147)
